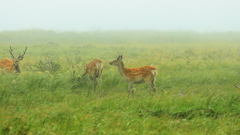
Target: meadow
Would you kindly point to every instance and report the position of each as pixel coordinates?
(197, 73)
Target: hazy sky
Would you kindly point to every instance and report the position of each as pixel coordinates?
(87, 15)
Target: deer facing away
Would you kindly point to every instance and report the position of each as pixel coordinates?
(146, 74)
(94, 68)
(8, 65)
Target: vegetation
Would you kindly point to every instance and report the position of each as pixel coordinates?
(195, 84)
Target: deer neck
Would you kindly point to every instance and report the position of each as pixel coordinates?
(121, 68)
(17, 68)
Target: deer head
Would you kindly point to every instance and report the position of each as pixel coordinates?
(16, 61)
(116, 62)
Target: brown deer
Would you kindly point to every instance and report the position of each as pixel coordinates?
(14, 64)
(94, 68)
(146, 74)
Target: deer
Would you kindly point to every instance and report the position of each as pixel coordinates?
(145, 74)
(14, 64)
(94, 68)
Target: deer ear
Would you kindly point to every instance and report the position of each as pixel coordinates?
(119, 57)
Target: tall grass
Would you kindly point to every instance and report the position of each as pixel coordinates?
(195, 84)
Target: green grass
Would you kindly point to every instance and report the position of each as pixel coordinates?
(195, 83)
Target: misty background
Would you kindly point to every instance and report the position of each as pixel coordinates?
(88, 15)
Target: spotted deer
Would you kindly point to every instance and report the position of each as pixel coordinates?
(94, 68)
(146, 74)
(8, 65)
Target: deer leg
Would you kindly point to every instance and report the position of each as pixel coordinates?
(95, 83)
(100, 85)
(131, 89)
(100, 80)
(152, 86)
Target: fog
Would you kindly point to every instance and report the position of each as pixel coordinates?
(89, 15)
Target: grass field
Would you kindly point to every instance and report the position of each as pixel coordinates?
(195, 83)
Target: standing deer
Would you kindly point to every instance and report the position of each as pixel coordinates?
(94, 68)
(14, 64)
(146, 74)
